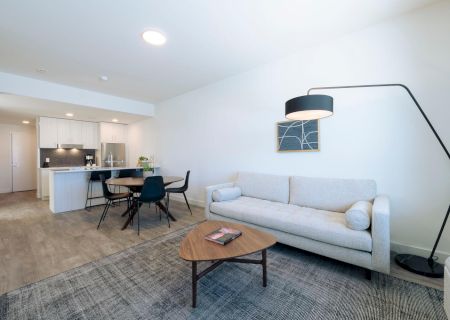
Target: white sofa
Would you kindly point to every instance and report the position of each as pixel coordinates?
(447, 287)
(309, 213)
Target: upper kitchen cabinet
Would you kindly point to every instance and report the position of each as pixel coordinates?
(90, 135)
(113, 132)
(48, 132)
(54, 131)
(70, 131)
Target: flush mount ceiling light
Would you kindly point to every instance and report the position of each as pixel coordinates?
(103, 78)
(41, 70)
(69, 114)
(26, 122)
(153, 37)
(115, 120)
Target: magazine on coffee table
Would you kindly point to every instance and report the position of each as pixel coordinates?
(223, 235)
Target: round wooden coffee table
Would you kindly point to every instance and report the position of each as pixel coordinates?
(195, 248)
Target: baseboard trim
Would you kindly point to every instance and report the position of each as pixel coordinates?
(419, 251)
(179, 197)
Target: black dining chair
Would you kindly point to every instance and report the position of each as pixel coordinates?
(111, 197)
(152, 192)
(131, 173)
(182, 190)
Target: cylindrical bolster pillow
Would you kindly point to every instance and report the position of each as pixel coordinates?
(358, 217)
(226, 194)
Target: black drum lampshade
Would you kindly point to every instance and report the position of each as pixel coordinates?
(309, 107)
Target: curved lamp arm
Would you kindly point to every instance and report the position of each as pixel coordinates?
(430, 259)
(393, 85)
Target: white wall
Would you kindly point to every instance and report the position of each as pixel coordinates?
(141, 140)
(375, 133)
(5, 153)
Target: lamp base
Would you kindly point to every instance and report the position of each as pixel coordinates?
(420, 265)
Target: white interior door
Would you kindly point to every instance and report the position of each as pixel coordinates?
(23, 161)
(5, 163)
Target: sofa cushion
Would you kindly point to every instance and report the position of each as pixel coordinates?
(264, 186)
(359, 216)
(330, 194)
(225, 194)
(320, 225)
(447, 263)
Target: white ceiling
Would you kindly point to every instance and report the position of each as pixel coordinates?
(14, 109)
(75, 41)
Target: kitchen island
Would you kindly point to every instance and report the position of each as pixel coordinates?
(68, 187)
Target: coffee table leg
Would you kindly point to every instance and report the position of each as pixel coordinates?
(264, 265)
(194, 284)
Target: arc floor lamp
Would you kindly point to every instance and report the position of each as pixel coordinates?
(316, 106)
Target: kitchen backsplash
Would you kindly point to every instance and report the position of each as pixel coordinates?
(65, 157)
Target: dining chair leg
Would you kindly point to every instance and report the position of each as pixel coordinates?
(168, 200)
(138, 217)
(106, 212)
(189, 207)
(103, 214)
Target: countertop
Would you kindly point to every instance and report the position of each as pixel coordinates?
(88, 169)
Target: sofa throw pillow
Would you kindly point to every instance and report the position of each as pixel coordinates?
(226, 194)
(359, 215)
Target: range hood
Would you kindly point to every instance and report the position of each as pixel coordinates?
(70, 146)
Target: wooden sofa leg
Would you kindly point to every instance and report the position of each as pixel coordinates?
(368, 274)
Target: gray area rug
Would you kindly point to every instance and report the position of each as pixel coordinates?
(150, 281)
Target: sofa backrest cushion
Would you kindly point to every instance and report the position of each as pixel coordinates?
(264, 186)
(330, 194)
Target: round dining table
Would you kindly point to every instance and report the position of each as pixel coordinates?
(137, 182)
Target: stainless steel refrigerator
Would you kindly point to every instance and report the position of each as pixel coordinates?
(113, 155)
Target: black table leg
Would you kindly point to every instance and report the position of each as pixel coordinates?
(214, 264)
(164, 209)
(264, 266)
(194, 284)
(133, 210)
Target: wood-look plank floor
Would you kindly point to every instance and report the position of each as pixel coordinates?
(36, 244)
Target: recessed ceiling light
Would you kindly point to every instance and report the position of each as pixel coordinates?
(26, 122)
(103, 78)
(41, 70)
(115, 120)
(69, 114)
(153, 37)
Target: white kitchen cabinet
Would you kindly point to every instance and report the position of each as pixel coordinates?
(113, 132)
(90, 135)
(70, 131)
(48, 132)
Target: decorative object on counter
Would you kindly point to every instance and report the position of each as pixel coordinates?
(316, 106)
(65, 157)
(147, 165)
(298, 135)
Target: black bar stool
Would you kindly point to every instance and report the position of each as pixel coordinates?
(95, 176)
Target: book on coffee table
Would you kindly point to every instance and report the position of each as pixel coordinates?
(223, 235)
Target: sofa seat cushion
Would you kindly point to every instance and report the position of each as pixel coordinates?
(319, 225)
(447, 263)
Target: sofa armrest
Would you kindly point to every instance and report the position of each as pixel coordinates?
(209, 192)
(381, 235)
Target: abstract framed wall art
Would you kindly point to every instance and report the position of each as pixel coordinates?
(298, 135)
